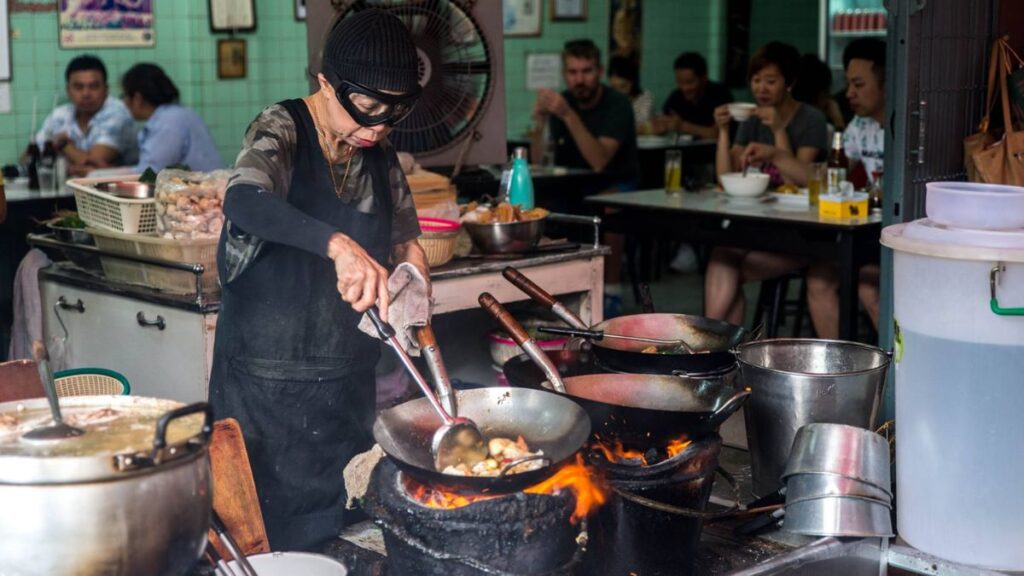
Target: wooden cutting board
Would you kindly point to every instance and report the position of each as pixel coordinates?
(234, 492)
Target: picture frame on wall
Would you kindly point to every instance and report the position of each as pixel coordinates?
(231, 58)
(300, 10)
(232, 16)
(105, 25)
(521, 17)
(568, 9)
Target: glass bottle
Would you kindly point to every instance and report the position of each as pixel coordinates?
(875, 193)
(33, 166)
(837, 164)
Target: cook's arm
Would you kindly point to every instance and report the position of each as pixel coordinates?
(414, 254)
(270, 217)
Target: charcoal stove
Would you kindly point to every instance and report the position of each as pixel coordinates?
(512, 534)
(651, 523)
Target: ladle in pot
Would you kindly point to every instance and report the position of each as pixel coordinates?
(663, 344)
(458, 440)
(59, 430)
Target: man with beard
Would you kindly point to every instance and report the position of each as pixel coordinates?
(591, 126)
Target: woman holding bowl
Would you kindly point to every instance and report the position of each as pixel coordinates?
(779, 126)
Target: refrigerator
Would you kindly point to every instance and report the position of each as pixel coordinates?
(842, 21)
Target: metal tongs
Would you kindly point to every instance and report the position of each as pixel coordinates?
(221, 567)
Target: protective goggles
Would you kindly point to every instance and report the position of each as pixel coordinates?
(369, 107)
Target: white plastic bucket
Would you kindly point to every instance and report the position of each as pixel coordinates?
(959, 378)
(976, 206)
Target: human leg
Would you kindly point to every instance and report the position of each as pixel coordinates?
(869, 292)
(722, 288)
(823, 298)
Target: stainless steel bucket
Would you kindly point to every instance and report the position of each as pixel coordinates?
(801, 381)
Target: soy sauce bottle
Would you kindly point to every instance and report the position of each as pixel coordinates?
(33, 166)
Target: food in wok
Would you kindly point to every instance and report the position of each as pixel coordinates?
(503, 455)
(503, 213)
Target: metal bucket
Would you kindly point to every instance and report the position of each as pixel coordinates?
(801, 381)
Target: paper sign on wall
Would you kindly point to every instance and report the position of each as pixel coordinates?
(5, 97)
(543, 71)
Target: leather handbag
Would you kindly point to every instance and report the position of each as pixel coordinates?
(990, 156)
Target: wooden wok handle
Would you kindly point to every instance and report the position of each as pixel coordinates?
(507, 321)
(520, 281)
(426, 337)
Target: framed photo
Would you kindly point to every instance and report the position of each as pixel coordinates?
(105, 24)
(231, 58)
(521, 17)
(300, 9)
(568, 9)
(232, 16)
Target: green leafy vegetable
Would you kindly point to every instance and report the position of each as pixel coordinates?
(148, 177)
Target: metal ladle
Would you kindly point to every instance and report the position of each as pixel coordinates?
(663, 344)
(59, 430)
(458, 440)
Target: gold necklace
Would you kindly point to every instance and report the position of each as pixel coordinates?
(326, 149)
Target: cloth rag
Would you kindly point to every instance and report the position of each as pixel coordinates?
(357, 474)
(411, 307)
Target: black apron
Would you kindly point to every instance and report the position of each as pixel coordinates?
(289, 362)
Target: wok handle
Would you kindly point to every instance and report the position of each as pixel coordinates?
(507, 321)
(542, 297)
(522, 338)
(432, 353)
(725, 410)
(589, 334)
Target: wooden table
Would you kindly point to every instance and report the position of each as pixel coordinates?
(710, 217)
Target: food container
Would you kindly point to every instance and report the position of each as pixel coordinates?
(101, 209)
(958, 298)
(438, 239)
(807, 485)
(506, 238)
(199, 251)
(843, 516)
(799, 381)
(117, 500)
(750, 186)
(841, 450)
(974, 205)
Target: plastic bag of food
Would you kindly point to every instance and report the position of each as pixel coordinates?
(189, 205)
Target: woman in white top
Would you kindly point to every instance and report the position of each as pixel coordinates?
(624, 77)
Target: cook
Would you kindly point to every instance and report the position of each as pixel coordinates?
(316, 209)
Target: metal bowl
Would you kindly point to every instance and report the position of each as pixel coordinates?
(805, 486)
(127, 189)
(71, 235)
(838, 516)
(841, 450)
(511, 237)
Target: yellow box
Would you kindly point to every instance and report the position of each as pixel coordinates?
(843, 207)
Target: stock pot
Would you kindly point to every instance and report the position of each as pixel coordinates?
(131, 496)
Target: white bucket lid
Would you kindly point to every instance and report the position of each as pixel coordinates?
(928, 238)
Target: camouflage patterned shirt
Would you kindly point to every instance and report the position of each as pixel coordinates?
(266, 162)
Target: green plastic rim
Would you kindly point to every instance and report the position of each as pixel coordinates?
(99, 371)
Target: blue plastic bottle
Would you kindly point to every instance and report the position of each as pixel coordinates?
(520, 187)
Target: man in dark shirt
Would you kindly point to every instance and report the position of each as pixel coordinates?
(590, 125)
(691, 108)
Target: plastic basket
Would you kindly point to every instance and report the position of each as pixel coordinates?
(199, 251)
(438, 240)
(90, 382)
(101, 210)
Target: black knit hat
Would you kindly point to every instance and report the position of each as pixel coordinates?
(373, 48)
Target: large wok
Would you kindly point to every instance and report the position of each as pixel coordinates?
(713, 339)
(547, 422)
(639, 410)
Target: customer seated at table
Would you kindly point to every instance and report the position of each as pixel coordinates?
(778, 123)
(690, 109)
(864, 143)
(624, 77)
(172, 134)
(93, 130)
(813, 86)
(590, 125)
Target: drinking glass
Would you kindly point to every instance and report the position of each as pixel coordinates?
(673, 172)
(816, 183)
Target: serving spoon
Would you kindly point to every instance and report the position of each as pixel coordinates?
(59, 430)
(458, 440)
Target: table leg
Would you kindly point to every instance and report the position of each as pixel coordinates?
(848, 277)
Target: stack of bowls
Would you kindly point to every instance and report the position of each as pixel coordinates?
(838, 483)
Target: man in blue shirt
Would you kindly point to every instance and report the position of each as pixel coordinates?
(173, 134)
(93, 130)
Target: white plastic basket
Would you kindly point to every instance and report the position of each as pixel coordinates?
(101, 210)
(199, 251)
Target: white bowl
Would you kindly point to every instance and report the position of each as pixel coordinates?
(292, 563)
(750, 186)
(741, 111)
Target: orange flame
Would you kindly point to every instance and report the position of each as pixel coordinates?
(678, 445)
(615, 451)
(580, 479)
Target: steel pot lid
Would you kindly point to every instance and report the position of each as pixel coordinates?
(928, 238)
(125, 435)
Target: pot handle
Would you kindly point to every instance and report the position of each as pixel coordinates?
(993, 281)
(542, 297)
(522, 338)
(725, 410)
(160, 440)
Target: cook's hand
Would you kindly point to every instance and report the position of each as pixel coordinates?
(362, 282)
(756, 153)
(551, 102)
(769, 117)
(722, 118)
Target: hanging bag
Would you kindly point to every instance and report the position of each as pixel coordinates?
(987, 159)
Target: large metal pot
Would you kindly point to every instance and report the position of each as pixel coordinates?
(795, 381)
(100, 512)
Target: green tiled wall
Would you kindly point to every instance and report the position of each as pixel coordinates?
(185, 48)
